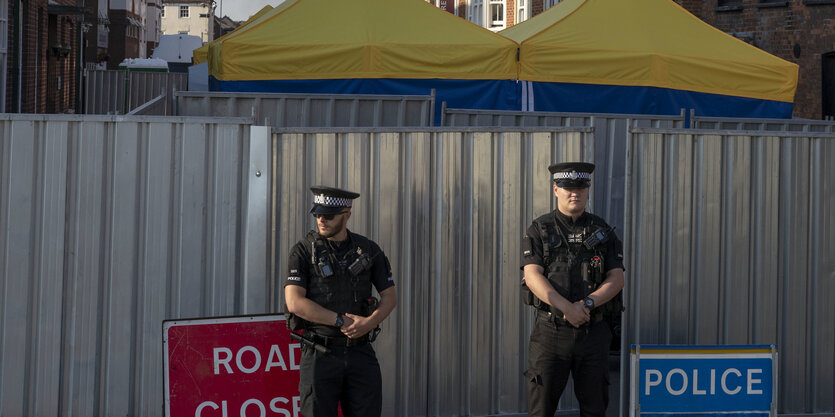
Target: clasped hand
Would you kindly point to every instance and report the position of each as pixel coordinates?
(577, 314)
(356, 326)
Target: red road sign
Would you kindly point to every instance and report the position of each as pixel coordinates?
(235, 366)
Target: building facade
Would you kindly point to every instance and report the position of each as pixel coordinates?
(42, 71)
(127, 33)
(97, 19)
(495, 15)
(189, 17)
(153, 26)
(49, 43)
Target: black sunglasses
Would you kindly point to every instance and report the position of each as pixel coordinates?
(328, 216)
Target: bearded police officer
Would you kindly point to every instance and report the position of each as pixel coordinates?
(331, 272)
(573, 275)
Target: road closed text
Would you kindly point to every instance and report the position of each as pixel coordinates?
(278, 406)
(245, 366)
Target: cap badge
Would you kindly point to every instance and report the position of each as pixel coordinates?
(573, 175)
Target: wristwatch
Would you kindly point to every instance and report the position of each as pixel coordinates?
(589, 303)
(339, 322)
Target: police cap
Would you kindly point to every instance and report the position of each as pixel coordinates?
(330, 200)
(572, 174)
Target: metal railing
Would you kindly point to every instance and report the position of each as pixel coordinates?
(766, 125)
(311, 110)
(508, 118)
(120, 91)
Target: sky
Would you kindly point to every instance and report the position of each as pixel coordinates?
(242, 9)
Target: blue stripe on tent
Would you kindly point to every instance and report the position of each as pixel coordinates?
(467, 94)
(588, 98)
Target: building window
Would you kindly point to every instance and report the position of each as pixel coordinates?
(828, 85)
(476, 11)
(551, 3)
(772, 3)
(183, 11)
(728, 3)
(497, 14)
(521, 10)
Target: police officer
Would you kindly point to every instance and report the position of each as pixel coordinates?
(573, 267)
(331, 272)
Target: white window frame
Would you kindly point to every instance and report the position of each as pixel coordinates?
(498, 24)
(476, 14)
(522, 10)
(184, 9)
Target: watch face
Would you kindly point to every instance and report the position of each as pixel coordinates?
(589, 302)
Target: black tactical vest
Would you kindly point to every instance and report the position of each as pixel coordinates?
(340, 283)
(564, 266)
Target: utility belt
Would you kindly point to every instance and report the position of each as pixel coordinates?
(556, 317)
(339, 341)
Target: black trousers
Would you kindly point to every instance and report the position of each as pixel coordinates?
(555, 351)
(348, 375)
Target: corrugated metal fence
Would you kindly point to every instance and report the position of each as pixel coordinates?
(312, 110)
(119, 91)
(450, 209)
(730, 239)
(111, 225)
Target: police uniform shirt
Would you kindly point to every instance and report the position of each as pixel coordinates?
(532, 252)
(300, 270)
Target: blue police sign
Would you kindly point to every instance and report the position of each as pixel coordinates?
(688, 380)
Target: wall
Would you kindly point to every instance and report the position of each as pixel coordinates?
(32, 84)
(194, 24)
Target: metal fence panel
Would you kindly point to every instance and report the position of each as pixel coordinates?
(108, 226)
(449, 209)
(119, 91)
(312, 110)
(145, 86)
(532, 119)
(771, 125)
(104, 91)
(726, 240)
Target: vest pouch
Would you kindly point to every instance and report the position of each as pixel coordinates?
(361, 264)
(295, 322)
(559, 277)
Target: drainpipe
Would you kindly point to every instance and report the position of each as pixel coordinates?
(17, 71)
(80, 64)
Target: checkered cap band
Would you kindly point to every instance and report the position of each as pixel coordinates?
(573, 175)
(331, 201)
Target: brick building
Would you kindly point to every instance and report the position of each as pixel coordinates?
(800, 31)
(42, 73)
(127, 33)
(97, 19)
